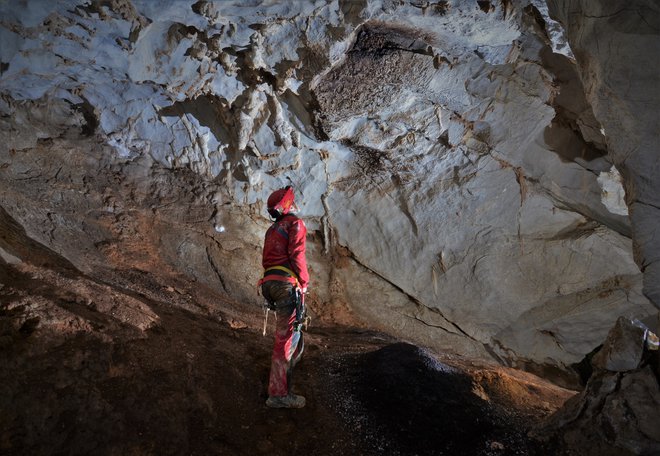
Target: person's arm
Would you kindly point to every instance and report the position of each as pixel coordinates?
(297, 235)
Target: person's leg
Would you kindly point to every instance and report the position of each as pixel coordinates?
(287, 347)
(278, 384)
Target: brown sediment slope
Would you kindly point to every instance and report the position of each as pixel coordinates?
(134, 363)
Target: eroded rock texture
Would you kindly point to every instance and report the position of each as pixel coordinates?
(454, 164)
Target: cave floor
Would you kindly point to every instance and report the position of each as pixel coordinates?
(74, 380)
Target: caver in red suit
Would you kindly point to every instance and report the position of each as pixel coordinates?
(285, 275)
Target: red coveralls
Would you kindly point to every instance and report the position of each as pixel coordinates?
(284, 246)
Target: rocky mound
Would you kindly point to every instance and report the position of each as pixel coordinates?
(618, 413)
(404, 401)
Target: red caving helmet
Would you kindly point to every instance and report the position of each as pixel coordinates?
(280, 202)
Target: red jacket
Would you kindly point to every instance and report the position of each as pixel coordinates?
(285, 246)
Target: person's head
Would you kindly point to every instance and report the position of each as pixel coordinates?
(281, 202)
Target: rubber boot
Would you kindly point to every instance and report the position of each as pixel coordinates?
(290, 401)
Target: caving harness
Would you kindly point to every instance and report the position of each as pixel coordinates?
(302, 319)
(284, 274)
(280, 273)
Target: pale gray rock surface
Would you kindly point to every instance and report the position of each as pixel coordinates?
(449, 153)
(616, 45)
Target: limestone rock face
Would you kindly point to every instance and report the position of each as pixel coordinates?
(455, 173)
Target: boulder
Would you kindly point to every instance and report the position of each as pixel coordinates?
(623, 347)
(618, 412)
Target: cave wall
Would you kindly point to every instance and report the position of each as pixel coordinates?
(451, 159)
(616, 46)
